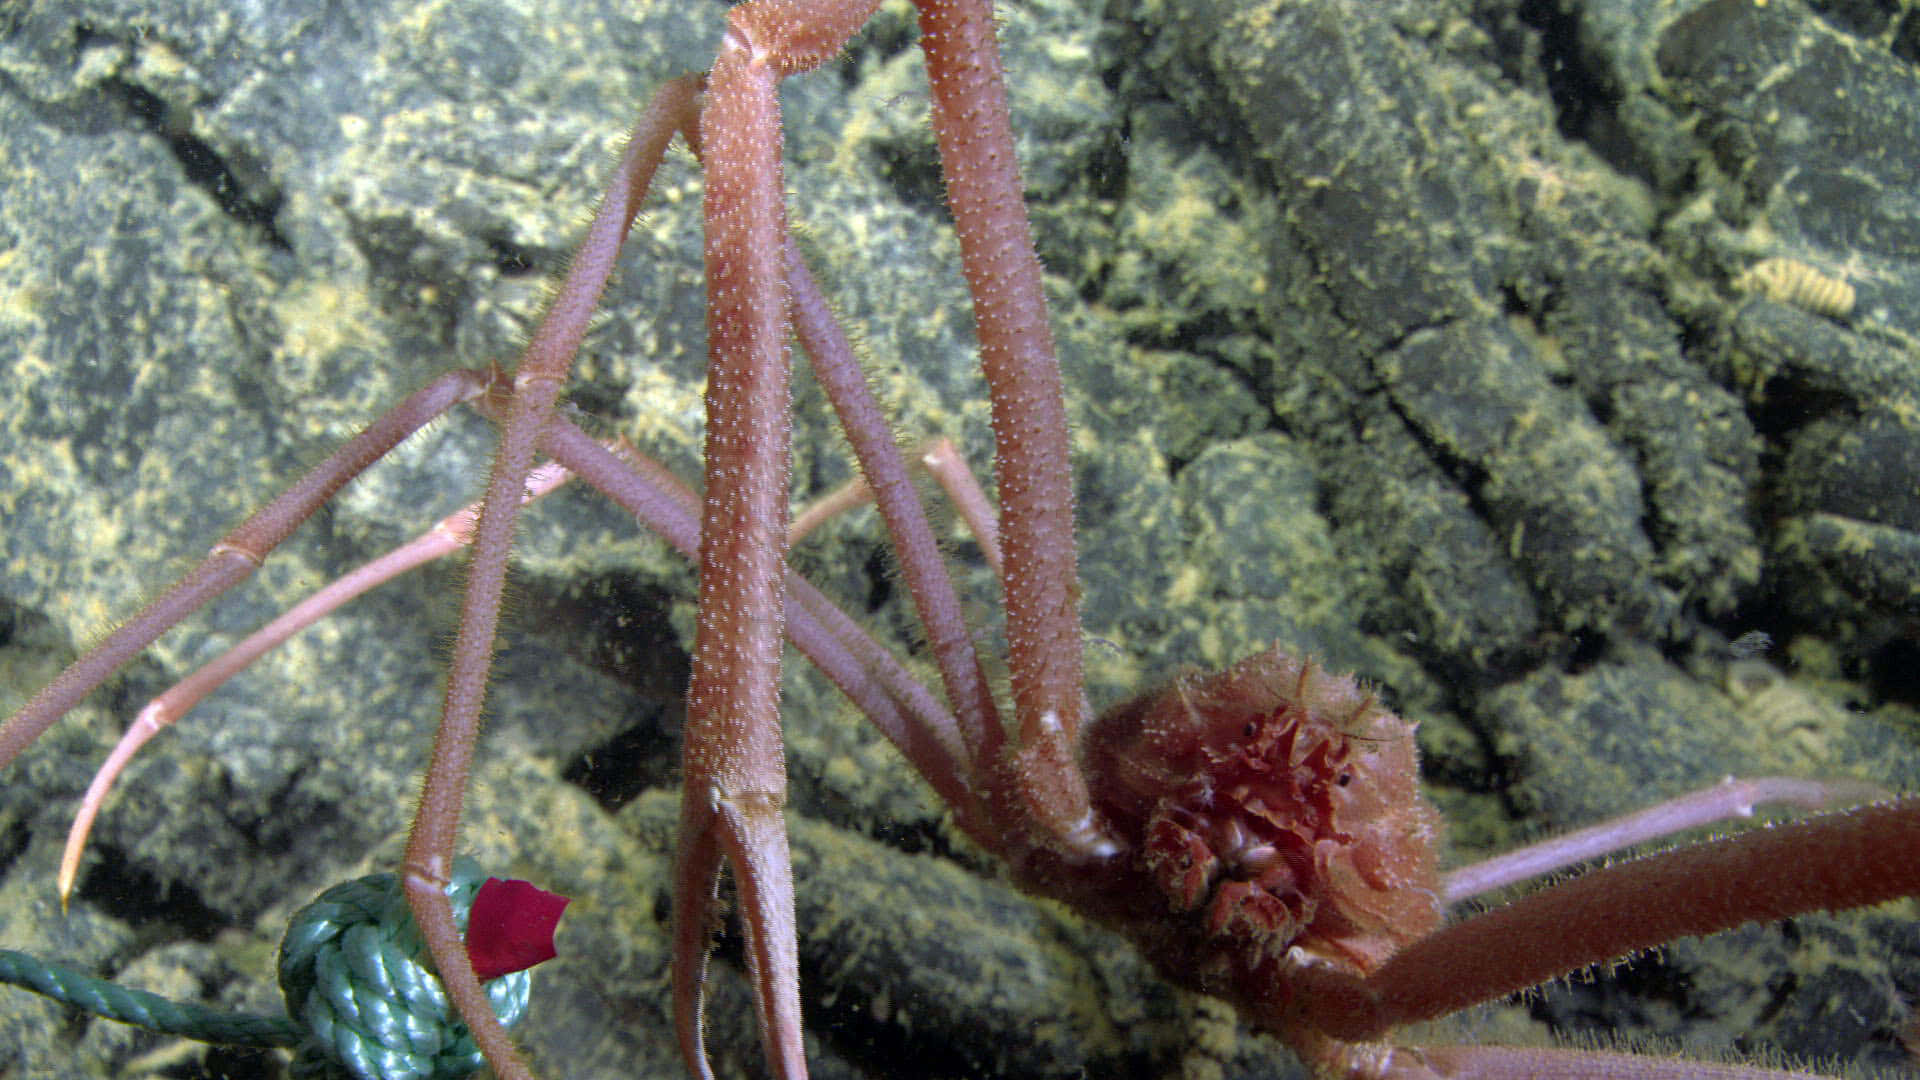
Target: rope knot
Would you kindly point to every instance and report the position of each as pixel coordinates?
(357, 978)
(362, 1002)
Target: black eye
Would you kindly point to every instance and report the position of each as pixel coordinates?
(1345, 779)
(1250, 730)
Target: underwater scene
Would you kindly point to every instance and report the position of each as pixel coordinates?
(1551, 368)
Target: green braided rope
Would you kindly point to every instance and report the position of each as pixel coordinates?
(137, 1007)
(362, 1002)
(355, 974)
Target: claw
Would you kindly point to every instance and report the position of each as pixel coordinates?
(450, 534)
(151, 721)
(696, 877)
(750, 834)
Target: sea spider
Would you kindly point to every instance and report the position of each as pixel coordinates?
(1124, 512)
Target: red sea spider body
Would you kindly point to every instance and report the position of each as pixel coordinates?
(1275, 810)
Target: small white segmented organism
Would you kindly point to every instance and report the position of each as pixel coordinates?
(1790, 281)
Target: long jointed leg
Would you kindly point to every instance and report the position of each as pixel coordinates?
(536, 384)
(735, 782)
(1831, 862)
(235, 557)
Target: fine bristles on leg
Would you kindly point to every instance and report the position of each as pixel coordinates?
(235, 557)
(536, 384)
(447, 536)
(1724, 801)
(1846, 859)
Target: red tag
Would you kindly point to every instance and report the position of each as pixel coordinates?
(511, 927)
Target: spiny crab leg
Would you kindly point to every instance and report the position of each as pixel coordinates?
(948, 469)
(449, 535)
(1033, 475)
(1851, 858)
(1730, 798)
(847, 497)
(895, 702)
(942, 461)
(735, 779)
(734, 787)
(235, 557)
(542, 370)
(735, 783)
(884, 475)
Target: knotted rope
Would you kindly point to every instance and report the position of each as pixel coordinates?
(362, 1002)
